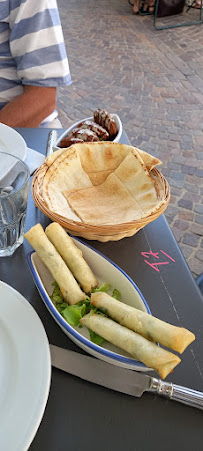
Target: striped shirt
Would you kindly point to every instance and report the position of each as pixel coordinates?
(32, 49)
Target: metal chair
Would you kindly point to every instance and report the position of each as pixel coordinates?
(185, 24)
(144, 9)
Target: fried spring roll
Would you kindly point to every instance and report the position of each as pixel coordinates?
(72, 256)
(176, 338)
(140, 348)
(57, 267)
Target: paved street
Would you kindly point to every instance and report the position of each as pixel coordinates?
(154, 81)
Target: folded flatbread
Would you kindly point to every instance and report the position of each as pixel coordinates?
(101, 159)
(64, 173)
(72, 256)
(176, 338)
(51, 158)
(56, 265)
(101, 156)
(108, 203)
(149, 160)
(135, 177)
(126, 195)
(100, 183)
(140, 348)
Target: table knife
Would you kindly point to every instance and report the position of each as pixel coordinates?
(52, 137)
(120, 379)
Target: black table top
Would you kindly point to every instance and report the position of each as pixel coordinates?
(80, 415)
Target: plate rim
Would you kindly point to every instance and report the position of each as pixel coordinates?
(19, 137)
(63, 323)
(27, 433)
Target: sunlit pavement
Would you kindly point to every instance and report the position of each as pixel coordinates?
(154, 81)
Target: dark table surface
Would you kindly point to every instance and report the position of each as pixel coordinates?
(81, 415)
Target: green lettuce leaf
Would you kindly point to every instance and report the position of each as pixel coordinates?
(105, 287)
(116, 294)
(95, 338)
(56, 295)
(73, 314)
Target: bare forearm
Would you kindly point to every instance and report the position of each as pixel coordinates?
(30, 108)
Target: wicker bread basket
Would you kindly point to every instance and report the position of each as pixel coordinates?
(103, 233)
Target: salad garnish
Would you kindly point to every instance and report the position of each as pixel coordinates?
(73, 313)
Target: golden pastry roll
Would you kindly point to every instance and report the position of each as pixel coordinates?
(140, 348)
(176, 338)
(56, 265)
(72, 256)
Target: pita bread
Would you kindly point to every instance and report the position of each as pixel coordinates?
(65, 173)
(49, 160)
(149, 160)
(108, 203)
(101, 156)
(97, 178)
(137, 180)
(99, 183)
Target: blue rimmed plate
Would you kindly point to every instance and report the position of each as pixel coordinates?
(105, 271)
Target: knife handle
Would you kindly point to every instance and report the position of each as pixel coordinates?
(52, 137)
(185, 395)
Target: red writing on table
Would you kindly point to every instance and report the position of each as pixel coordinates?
(156, 255)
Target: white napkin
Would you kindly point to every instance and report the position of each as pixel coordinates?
(34, 159)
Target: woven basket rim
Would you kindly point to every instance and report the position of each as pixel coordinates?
(84, 228)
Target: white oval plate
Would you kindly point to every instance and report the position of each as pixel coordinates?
(105, 271)
(115, 117)
(25, 370)
(12, 142)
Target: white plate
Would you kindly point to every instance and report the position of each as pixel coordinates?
(25, 370)
(115, 117)
(105, 271)
(12, 142)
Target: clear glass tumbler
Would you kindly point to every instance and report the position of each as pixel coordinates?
(14, 187)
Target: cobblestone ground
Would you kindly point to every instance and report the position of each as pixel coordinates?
(154, 81)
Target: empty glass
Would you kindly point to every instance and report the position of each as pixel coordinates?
(14, 186)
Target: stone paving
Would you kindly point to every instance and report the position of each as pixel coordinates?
(154, 80)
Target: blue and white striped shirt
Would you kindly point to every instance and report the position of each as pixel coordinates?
(32, 49)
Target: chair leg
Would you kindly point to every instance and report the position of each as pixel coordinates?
(191, 6)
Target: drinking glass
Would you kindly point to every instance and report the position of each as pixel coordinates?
(14, 186)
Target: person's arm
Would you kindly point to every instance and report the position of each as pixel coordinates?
(40, 63)
(30, 108)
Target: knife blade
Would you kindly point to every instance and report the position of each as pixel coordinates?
(120, 379)
(98, 371)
